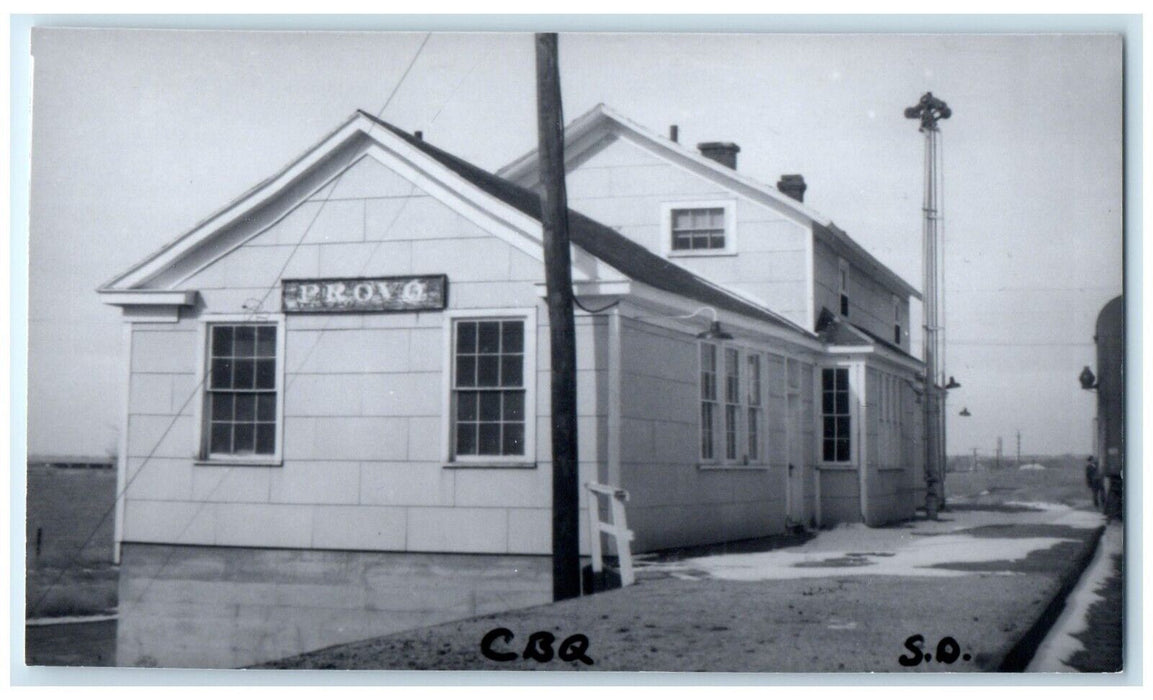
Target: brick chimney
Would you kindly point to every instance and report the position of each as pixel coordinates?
(723, 152)
(793, 186)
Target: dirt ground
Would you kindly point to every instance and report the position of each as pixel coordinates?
(798, 625)
(825, 624)
(83, 644)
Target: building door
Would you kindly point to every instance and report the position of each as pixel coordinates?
(795, 487)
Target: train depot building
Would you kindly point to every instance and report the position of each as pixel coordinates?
(337, 417)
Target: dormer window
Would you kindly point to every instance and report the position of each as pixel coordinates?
(698, 228)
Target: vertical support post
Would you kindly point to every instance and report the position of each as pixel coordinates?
(562, 326)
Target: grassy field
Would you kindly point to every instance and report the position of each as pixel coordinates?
(69, 567)
(1062, 481)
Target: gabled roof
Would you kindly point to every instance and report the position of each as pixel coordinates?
(627, 256)
(836, 331)
(589, 130)
(342, 145)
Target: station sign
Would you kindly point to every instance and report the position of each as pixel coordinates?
(366, 295)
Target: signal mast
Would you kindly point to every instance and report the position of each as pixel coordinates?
(929, 110)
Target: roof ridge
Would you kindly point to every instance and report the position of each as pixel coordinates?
(610, 246)
(825, 223)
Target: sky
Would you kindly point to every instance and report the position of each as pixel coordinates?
(139, 134)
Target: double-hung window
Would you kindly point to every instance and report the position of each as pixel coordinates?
(708, 400)
(732, 402)
(753, 398)
(489, 389)
(732, 405)
(835, 414)
(242, 390)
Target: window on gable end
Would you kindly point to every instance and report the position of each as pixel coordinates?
(698, 228)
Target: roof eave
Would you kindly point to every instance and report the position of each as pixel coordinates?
(147, 297)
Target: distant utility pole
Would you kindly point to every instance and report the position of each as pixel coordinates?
(974, 459)
(1018, 448)
(999, 447)
(929, 110)
(562, 327)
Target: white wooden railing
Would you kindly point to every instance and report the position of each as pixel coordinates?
(616, 528)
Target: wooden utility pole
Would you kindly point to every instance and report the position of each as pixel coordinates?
(566, 573)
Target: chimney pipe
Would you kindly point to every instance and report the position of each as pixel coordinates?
(793, 186)
(674, 133)
(723, 152)
(419, 135)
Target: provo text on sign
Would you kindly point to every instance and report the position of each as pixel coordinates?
(423, 293)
